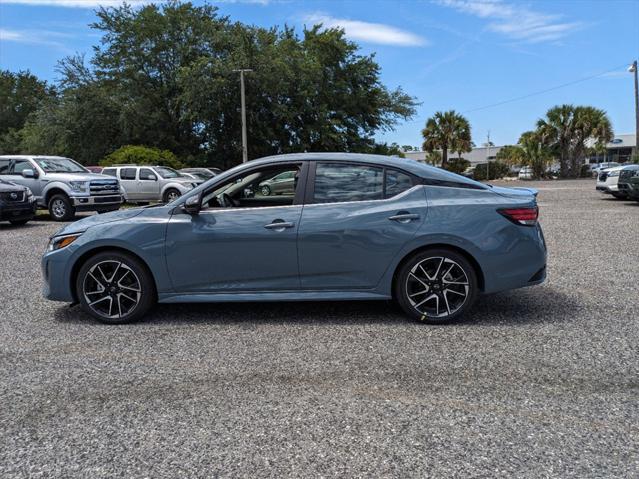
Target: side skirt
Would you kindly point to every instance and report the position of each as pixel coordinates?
(271, 296)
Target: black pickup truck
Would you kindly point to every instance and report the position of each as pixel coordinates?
(17, 203)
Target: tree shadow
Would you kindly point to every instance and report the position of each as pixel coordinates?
(533, 305)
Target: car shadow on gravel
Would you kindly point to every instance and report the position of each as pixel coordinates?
(8, 226)
(528, 306)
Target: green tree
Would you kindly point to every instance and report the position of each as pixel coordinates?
(447, 131)
(457, 165)
(492, 171)
(141, 155)
(165, 76)
(21, 94)
(570, 130)
(512, 155)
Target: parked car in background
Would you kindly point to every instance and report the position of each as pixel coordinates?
(280, 184)
(17, 203)
(354, 227)
(469, 172)
(142, 184)
(201, 173)
(526, 173)
(631, 187)
(62, 185)
(94, 169)
(597, 168)
(608, 180)
(624, 184)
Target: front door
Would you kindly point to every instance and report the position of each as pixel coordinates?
(241, 241)
(358, 219)
(148, 187)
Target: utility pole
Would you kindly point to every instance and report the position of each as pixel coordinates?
(488, 156)
(243, 101)
(633, 69)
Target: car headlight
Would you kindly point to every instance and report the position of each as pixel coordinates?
(78, 186)
(59, 242)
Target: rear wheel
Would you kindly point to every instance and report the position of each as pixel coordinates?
(265, 190)
(60, 208)
(436, 286)
(115, 288)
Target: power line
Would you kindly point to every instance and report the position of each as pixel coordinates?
(546, 90)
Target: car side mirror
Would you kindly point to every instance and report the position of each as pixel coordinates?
(192, 205)
(28, 173)
(150, 177)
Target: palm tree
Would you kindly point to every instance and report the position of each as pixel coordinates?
(447, 131)
(568, 130)
(534, 153)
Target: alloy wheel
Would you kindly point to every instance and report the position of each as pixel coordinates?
(111, 289)
(437, 287)
(172, 196)
(59, 208)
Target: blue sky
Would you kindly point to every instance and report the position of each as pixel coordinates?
(450, 54)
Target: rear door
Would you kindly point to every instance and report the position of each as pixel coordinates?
(355, 220)
(128, 181)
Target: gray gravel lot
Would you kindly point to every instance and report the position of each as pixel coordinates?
(539, 382)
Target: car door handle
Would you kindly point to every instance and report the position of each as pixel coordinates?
(279, 225)
(404, 217)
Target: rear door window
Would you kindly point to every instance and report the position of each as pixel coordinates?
(338, 183)
(397, 182)
(127, 173)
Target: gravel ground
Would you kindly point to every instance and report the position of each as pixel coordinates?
(539, 382)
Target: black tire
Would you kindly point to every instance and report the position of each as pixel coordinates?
(19, 222)
(619, 196)
(449, 284)
(124, 280)
(265, 190)
(168, 193)
(60, 208)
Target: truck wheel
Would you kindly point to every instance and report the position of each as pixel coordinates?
(171, 195)
(60, 208)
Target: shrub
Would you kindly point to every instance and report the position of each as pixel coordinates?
(141, 155)
(496, 170)
(457, 165)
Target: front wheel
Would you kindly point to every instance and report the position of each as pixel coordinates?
(265, 190)
(436, 286)
(115, 288)
(171, 195)
(60, 208)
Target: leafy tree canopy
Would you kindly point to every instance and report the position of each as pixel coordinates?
(141, 155)
(447, 131)
(163, 75)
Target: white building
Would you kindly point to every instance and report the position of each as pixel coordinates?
(620, 149)
(475, 156)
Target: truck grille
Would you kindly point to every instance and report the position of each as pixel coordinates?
(104, 187)
(13, 196)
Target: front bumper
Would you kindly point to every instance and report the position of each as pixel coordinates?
(92, 203)
(20, 211)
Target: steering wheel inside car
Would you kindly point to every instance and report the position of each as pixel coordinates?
(226, 201)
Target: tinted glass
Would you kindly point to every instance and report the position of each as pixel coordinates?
(20, 165)
(397, 182)
(166, 172)
(147, 174)
(4, 166)
(109, 171)
(127, 174)
(336, 182)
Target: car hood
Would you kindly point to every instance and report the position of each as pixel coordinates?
(86, 223)
(78, 176)
(516, 192)
(7, 187)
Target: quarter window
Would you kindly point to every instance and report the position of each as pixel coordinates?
(127, 174)
(336, 183)
(397, 182)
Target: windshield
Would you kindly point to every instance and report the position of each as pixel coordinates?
(167, 172)
(60, 165)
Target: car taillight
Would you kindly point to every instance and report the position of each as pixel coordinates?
(521, 216)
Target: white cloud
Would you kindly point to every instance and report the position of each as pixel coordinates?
(369, 32)
(104, 3)
(34, 37)
(74, 3)
(516, 21)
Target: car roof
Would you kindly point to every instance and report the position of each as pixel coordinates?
(34, 157)
(412, 166)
